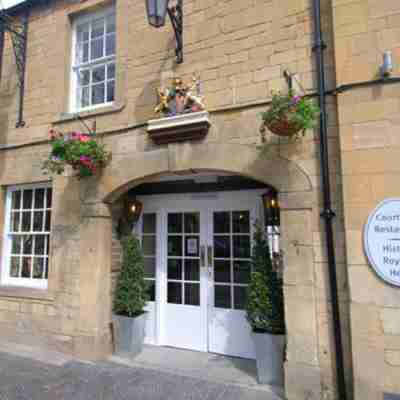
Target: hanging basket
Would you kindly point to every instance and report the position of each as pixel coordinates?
(283, 127)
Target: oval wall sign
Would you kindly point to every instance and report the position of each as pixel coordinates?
(382, 240)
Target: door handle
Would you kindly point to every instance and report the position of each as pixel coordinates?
(202, 256)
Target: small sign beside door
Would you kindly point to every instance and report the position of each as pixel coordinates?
(382, 240)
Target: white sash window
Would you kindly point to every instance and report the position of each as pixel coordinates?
(27, 236)
(93, 61)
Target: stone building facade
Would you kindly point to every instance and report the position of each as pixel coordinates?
(239, 49)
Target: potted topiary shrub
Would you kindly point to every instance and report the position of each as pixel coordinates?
(265, 312)
(130, 299)
(290, 114)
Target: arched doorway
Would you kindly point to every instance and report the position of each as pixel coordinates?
(196, 230)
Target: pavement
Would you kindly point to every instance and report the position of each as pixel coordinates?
(25, 378)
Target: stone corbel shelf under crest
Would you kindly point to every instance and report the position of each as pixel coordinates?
(192, 126)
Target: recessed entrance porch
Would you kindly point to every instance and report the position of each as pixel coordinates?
(196, 232)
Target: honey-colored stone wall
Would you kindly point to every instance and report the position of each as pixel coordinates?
(239, 50)
(370, 148)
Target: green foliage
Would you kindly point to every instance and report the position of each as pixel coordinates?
(79, 150)
(300, 110)
(265, 307)
(131, 294)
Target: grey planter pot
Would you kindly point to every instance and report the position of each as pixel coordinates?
(269, 355)
(129, 334)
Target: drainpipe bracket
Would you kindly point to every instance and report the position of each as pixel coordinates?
(328, 214)
(319, 45)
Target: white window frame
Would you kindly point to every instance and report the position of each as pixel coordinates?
(74, 107)
(6, 279)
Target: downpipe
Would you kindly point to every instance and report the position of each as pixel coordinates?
(327, 213)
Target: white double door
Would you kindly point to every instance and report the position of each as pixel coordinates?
(202, 271)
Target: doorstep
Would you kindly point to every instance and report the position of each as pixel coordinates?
(206, 366)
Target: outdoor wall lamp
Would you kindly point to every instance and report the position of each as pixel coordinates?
(156, 14)
(271, 208)
(387, 66)
(132, 210)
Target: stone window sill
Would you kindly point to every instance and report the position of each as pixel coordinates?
(26, 293)
(68, 117)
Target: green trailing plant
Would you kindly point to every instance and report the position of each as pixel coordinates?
(131, 294)
(290, 114)
(81, 151)
(265, 306)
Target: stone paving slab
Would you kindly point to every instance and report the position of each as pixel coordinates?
(26, 379)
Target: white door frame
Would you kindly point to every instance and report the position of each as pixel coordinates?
(205, 203)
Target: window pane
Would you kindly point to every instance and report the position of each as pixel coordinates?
(39, 198)
(16, 245)
(49, 195)
(38, 217)
(222, 222)
(240, 296)
(174, 269)
(16, 200)
(40, 242)
(98, 28)
(27, 244)
(82, 33)
(82, 52)
(47, 224)
(110, 91)
(192, 294)
(192, 223)
(26, 221)
(27, 199)
(26, 267)
(222, 296)
(149, 223)
(149, 245)
(96, 49)
(83, 77)
(46, 268)
(241, 272)
(110, 23)
(222, 246)
(15, 220)
(110, 45)
(150, 267)
(174, 223)
(241, 222)
(99, 74)
(175, 292)
(83, 97)
(151, 290)
(241, 246)
(222, 271)
(38, 264)
(111, 71)
(14, 267)
(98, 94)
(192, 270)
(175, 246)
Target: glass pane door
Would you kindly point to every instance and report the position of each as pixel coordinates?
(183, 265)
(231, 240)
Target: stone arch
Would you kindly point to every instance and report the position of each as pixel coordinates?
(124, 173)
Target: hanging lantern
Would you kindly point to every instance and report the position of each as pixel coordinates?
(156, 12)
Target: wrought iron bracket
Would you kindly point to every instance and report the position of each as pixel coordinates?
(18, 31)
(176, 15)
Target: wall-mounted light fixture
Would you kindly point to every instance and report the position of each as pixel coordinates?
(387, 66)
(156, 13)
(271, 208)
(131, 212)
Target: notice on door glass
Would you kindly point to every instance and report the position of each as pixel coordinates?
(192, 246)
